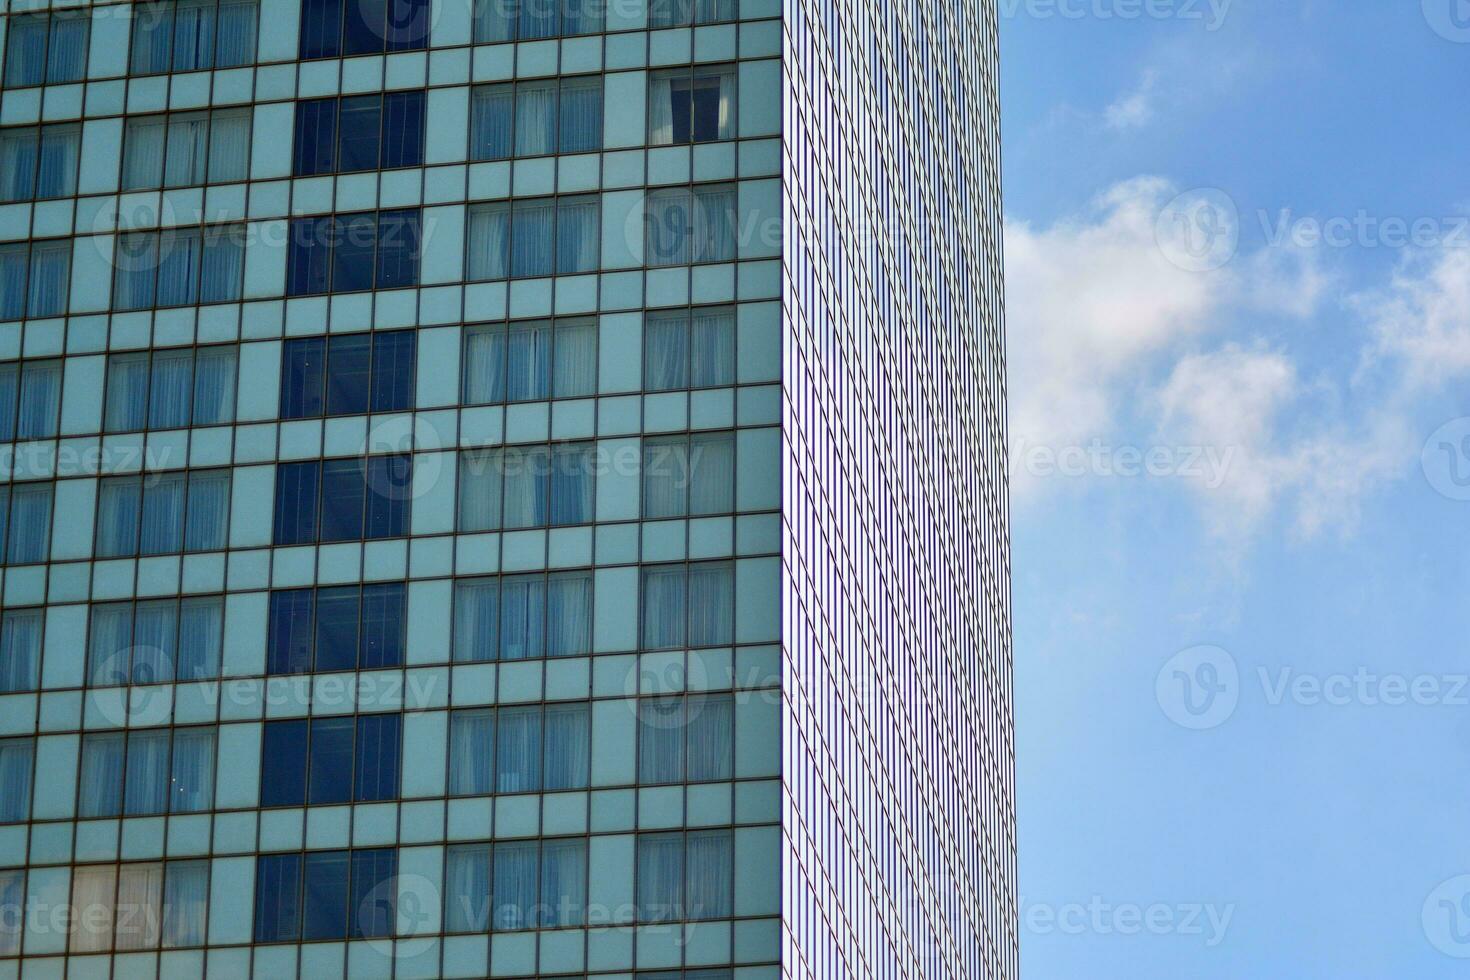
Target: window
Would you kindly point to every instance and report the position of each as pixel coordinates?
(361, 132)
(523, 749)
(534, 238)
(20, 649)
(155, 641)
(509, 20)
(342, 28)
(686, 876)
(30, 400)
(25, 522)
(139, 906)
(353, 252)
(15, 778)
(691, 105)
(683, 13)
(522, 617)
(691, 475)
(526, 486)
(34, 278)
(515, 885)
(690, 224)
(39, 162)
(12, 909)
(530, 360)
(528, 119)
(341, 628)
(342, 499)
(689, 349)
(330, 760)
(171, 388)
(192, 35)
(147, 771)
(688, 605)
(348, 374)
(326, 895)
(179, 267)
(46, 48)
(686, 739)
(162, 513)
(185, 149)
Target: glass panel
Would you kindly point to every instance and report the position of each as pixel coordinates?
(359, 129)
(18, 159)
(372, 906)
(377, 757)
(398, 249)
(569, 614)
(303, 376)
(663, 607)
(403, 130)
(348, 360)
(277, 898)
(666, 351)
(229, 145)
(208, 512)
(172, 389)
(710, 886)
(188, 149)
(515, 885)
(471, 752)
(577, 235)
(528, 361)
(324, 895)
(572, 481)
(476, 616)
(518, 750)
(155, 641)
(563, 882)
(316, 137)
(712, 345)
(66, 54)
(382, 625)
(661, 740)
(236, 33)
(214, 385)
(467, 888)
(139, 895)
(484, 365)
(146, 791)
(492, 110)
(531, 239)
(337, 628)
(153, 34)
(665, 477)
(127, 392)
(568, 746)
(330, 772)
(495, 20)
(711, 738)
(15, 779)
(393, 371)
(25, 51)
(109, 648)
(194, 33)
(163, 514)
(489, 242)
(30, 523)
(712, 473)
(193, 770)
(50, 275)
(40, 400)
(100, 791)
(185, 903)
(60, 151)
(201, 631)
(290, 640)
(118, 504)
(178, 267)
(222, 267)
(711, 604)
(352, 252)
(343, 497)
(535, 116)
(12, 914)
(20, 649)
(297, 488)
(576, 358)
(479, 491)
(283, 763)
(523, 617)
(527, 473)
(93, 894)
(660, 877)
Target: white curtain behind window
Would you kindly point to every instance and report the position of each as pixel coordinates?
(665, 477)
(153, 33)
(666, 351)
(569, 614)
(489, 241)
(712, 348)
(14, 260)
(229, 145)
(185, 903)
(191, 787)
(467, 888)
(514, 892)
(214, 385)
(118, 503)
(479, 492)
(172, 389)
(660, 877)
(575, 366)
(139, 897)
(136, 261)
(188, 149)
(572, 484)
(30, 523)
(563, 882)
(568, 746)
(178, 267)
(109, 644)
(484, 371)
(526, 472)
(711, 737)
(518, 750)
(20, 650)
(93, 894)
(581, 115)
(663, 607)
(25, 61)
(127, 392)
(531, 239)
(12, 898)
(522, 617)
(193, 34)
(162, 526)
(40, 400)
(60, 152)
(713, 229)
(66, 54)
(711, 861)
(476, 616)
(711, 604)
(494, 20)
(15, 779)
(661, 740)
(535, 117)
(471, 752)
(577, 235)
(236, 29)
(50, 274)
(143, 151)
(102, 775)
(9, 393)
(208, 511)
(146, 789)
(712, 473)
(223, 264)
(493, 121)
(528, 360)
(18, 150)
(155, 642)
(667, 227)
(661, 106)
(201, 629)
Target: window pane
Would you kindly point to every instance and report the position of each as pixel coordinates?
(577, 235)
(15, 779)
(476, 619)
(523, 617)
(479, 491)
(330, 772)
(66, 52)
(352, 252)
(172, 389)
(100, 791)
(374, 899)
(495, 20)
(491, 109)
(393, 371)
(155, 641)
(538, 19)
(277, 898)
(713, 103)
(229, 145)
(343, 495)
(337, 613)
(201, 631)
(193, 770)
(194, 30)
(348, 360)
(535, 117)
(663, 607)
(711, 737)
(489, 241)
(60, 151)
(178, 267)
(25, 52)
(297, 486)
(526, 484)
(364, 27)
(136, 259)
(403, 129)
(389, 489)
(209, 511)
(187, 155)
(563, 882)
(711, 861)
(518, 750)
(139, 895)
(467, 888)
(18, 159)
(9, 394)
(713, 228)
(661, 740)
(236, 42)
(668, 107)
(531, 239)
(118, 503)
(148, 773)
(712, 346)
(127, 392)
(309, 256)
(185, 903)
(569, 614)
(484, 365)
(30, 524)
(667, 228)
(302, 378)
(568, 746)
(471, 752)
(109, 644)
(153, 33)
(398, 249)
(514, 893)
(283, 763)
(660, 877)
(93, 896)
(409, 23)
(583, 16)
(12, 902)
(40, 400)
(666, 351)
(222, 267)
(575, 371)
(665, 477)
(14, 263)
(20, 649)
(359, 125)
(528, 361)
(712, 473)
(290, 637)
(711, 604)
(316, 137)
(324, 896)
(321, 28)
(214, 385)
(50, 276)
(377, 757)
(383, 622)
(572, 485)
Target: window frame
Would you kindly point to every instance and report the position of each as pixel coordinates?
(156, 10)
(50, 17)
(143, 482)
(398, 504)
(514, 206)
(561, 84)
(29, 247)
(38, 133)
(131, 124)
(309, 233)
(151, 262)
(277, 659)
(337, 141)
(291, 390)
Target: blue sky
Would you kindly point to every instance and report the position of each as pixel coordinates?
(1241, 628)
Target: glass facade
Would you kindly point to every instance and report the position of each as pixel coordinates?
(441, 531)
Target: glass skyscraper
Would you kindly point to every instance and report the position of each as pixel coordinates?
(502, 488)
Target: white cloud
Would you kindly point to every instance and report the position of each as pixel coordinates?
(1420, 324)
(1136, 109)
